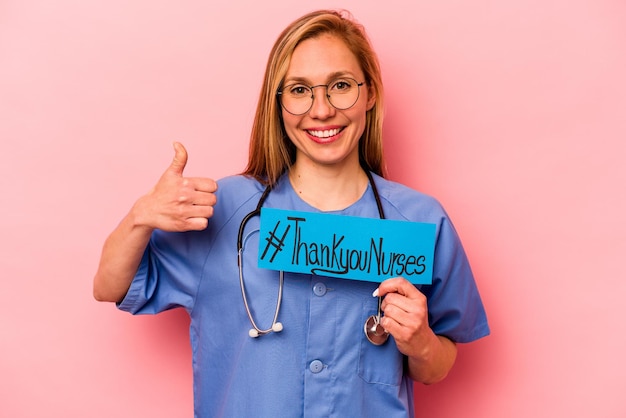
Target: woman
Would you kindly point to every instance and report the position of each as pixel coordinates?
(316, 146)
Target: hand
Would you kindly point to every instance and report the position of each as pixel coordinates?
(405, 315)
(177, 203)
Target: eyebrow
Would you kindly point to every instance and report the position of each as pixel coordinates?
(329, 77)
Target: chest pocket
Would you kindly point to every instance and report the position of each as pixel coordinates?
(381, 364)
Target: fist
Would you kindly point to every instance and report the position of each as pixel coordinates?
(406, 315)
(177, 203)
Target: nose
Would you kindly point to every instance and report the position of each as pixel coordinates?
(321, 107)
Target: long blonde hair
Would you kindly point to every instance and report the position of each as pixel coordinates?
(271, 151)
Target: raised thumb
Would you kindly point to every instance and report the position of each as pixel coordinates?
(180, 159)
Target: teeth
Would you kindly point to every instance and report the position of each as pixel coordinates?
(325, 134)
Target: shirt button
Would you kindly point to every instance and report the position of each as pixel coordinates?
(319, 289)
(316, 366)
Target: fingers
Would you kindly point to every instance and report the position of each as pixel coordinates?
(196, 198)
(196, 224)
(198, 205)
(178, 203)
(180, 159)
(403, 304)
(202, 184)
(397, 285)
(203, 199)
(177, 167)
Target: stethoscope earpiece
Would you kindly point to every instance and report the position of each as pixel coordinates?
(255, 333)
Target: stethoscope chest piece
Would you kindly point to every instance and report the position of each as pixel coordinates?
(374, 331)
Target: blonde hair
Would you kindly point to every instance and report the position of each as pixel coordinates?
(271, 151)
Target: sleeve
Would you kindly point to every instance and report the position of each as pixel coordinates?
(168, 275)
(455, 308)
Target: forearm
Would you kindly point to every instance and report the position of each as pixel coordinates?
(434, 360)
(175, 203)
(121, 255)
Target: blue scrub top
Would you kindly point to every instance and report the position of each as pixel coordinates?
(321, 364)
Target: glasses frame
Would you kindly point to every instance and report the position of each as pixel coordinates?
(279, 95)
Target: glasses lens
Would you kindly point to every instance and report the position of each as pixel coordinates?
(296, 98)
(343, 93)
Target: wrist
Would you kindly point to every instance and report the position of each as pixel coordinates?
(434, 360)
(137, 217)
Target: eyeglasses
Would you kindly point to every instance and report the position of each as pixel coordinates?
(297, 98)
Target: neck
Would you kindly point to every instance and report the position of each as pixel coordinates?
(328, 190)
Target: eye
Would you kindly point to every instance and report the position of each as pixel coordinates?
(342, 85)
(298, 90)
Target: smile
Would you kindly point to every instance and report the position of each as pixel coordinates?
(325, 133)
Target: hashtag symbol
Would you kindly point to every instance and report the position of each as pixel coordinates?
(274, 241)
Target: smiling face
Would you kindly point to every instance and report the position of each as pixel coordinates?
(326, 136)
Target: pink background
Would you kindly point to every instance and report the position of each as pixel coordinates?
(512, 113)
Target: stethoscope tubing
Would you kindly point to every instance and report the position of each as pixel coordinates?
(372, 325)
(256, 331)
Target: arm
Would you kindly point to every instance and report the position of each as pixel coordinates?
(430, 356)
(176, 203)
(121, 254)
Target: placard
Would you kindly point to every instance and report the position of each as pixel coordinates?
(346, 247)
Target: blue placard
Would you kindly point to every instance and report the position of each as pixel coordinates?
(346, 247)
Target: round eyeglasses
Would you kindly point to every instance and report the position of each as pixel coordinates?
(297, 98)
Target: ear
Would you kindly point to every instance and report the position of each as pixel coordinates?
(371, 97)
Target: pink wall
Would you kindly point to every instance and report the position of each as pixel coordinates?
(512, 113)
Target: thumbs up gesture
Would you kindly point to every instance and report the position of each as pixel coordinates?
(177, 203)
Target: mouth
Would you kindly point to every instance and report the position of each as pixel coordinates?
(324, 135)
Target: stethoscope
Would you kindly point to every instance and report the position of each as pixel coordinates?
(374, 331)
